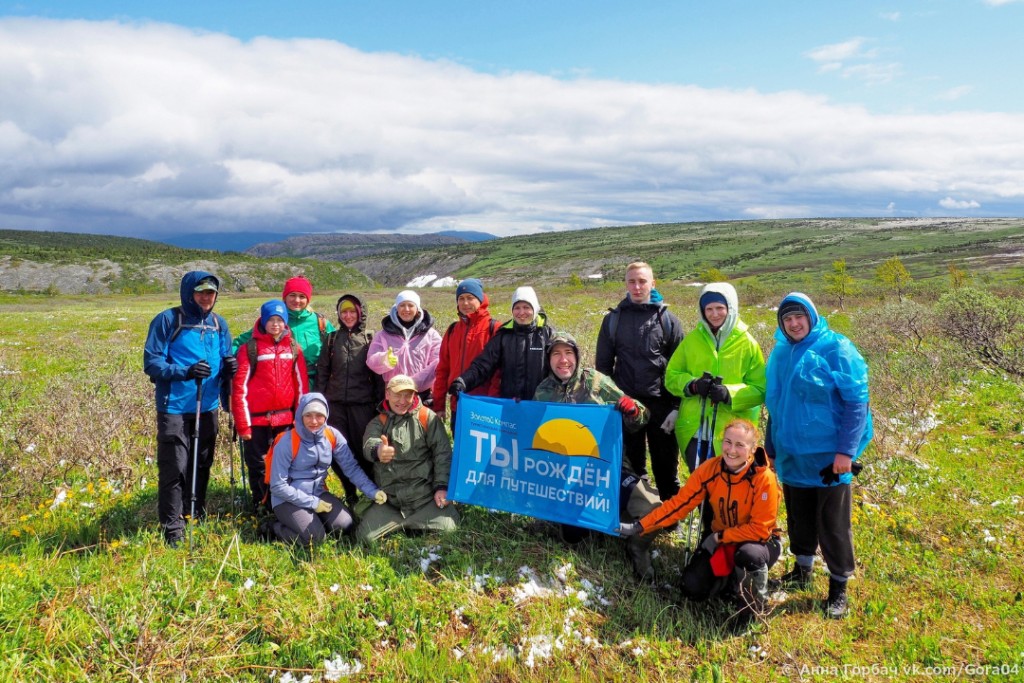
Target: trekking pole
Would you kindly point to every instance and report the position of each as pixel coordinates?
(701, 429)
(234, 439)
(195, 460)
(250, 505)
(707, 448)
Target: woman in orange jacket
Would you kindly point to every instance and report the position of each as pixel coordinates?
(743, 494)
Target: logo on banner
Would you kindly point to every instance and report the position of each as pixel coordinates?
(566, 437)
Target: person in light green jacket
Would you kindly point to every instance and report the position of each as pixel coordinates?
(722, 346)
(308, 328)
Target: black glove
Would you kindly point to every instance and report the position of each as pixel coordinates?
(230, 365)
(630, 529)
(456, 386)
(828, 477)
(719, 393)
(701, 386)
(200, 370)
(710, 543)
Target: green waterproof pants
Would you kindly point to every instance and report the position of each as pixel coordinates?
(381, 520)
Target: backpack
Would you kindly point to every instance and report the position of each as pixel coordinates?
(321, 323)
(179, 313)
(250, 350)
(423, 415)
(664, 320)
(268, 459)
(451, 328)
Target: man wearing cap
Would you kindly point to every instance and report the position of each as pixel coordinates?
(308, 328)
(636, 340)
(412, 458)
(187, 346)
(462, 342)
(819, 423)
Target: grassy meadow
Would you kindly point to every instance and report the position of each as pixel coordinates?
(89, 592)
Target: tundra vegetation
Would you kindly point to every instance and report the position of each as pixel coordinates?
(89, 592)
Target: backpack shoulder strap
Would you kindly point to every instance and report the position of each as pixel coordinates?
(451, 328)
(252, 353)
(321, 323)
(494, 323)
(332, 339)
(330, 438)
(424, 416)
(295, 444)
(383, 418)
(613, 323)
(666, 325)
(179, 317)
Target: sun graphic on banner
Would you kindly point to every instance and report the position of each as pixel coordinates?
(566, 437)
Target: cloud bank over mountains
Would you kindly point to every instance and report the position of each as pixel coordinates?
(152, 128)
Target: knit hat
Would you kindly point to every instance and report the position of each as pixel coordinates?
(712, 298)
(529, 296)
(315, 406)
(401, 383)
(471, 286)
(791, 307)
(272, 308)
(408, 295)
(297, 284)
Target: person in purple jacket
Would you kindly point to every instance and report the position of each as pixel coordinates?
(302, 459)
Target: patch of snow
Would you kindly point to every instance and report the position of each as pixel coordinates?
(59, 499)
(445, 282)
(421, 281)
(339, 668)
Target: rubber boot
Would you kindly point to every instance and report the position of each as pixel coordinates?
(836, 605)
(799, 578)
(753, 593)
(639, 550)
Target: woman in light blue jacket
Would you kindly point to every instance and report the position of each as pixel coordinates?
(302, 459)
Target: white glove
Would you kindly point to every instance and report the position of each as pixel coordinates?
(670, 422)
(380, 497)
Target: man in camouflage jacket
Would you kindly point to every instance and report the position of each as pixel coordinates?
(570, 383)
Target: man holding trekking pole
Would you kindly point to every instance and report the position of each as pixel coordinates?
(188, 357)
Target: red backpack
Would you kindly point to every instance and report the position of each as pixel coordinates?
(268, 459)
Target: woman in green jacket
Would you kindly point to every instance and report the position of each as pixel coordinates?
(722, 346)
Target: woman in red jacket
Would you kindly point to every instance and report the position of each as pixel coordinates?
(264, 392)
(743, 494)
(464, 340)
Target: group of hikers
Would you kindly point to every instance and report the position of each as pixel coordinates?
(308, 397)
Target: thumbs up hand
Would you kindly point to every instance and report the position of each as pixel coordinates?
(385, 453)
(391, 358)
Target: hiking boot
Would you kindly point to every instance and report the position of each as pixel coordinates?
(173, 543)
(799, 578)
(639, 551)
(836, 606)
(753, 593)
(266, 532)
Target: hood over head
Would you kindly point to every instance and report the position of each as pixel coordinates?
(731, 300)
(786, 306)
(300, 428)
(562, 338)
(188, 285)
(360, 310)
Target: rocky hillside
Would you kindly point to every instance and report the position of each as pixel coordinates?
(71, 263)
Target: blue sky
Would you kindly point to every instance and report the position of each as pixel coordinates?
(149, 119)
(929, 55)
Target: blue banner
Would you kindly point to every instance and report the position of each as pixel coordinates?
(555, 461)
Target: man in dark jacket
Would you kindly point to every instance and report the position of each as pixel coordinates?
(352, 389)
(518, 350)
(186, 346)
(636, 340)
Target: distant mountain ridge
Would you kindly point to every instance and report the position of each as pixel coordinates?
(344, 246)
(241, 241)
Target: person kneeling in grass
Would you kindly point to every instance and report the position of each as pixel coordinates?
(743, 494)
(411, 457)
(571, 383)
(305, 510)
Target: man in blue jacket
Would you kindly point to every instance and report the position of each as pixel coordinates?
(818, 425)
(187, 345)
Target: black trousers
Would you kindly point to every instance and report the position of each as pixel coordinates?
(174, 461)
(820, 517)
(351, 419)
(255, 452)
(663, 448)
(699, 580)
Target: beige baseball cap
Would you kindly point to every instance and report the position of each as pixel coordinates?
(401, 383)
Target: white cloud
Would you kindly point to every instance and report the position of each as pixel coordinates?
(829, 66)
(996, 3)
(950, 203)
(873, 74)
(145, 128)
(955, 93)
(891, 16)
(837, 51)
(892, 206)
